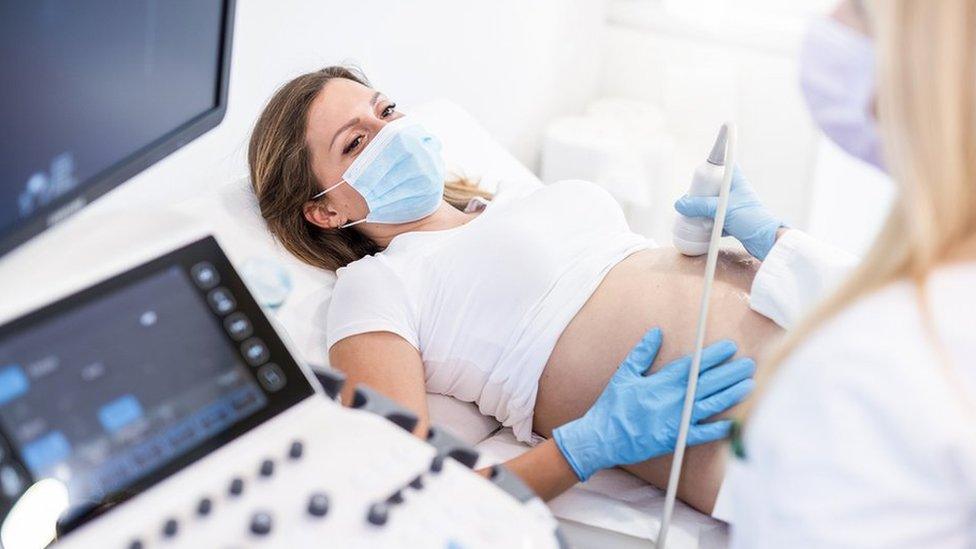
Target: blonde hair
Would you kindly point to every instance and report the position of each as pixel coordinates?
(926, 100)
(282, 178)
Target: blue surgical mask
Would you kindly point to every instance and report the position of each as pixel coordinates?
(837, 78)
(400, 174)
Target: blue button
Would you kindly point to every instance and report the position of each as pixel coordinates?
(221, 301)
(238, 326)
(47, 450)
(13, 383)
(255, 352)
(119, 413)
(205, 275)
(271, 377)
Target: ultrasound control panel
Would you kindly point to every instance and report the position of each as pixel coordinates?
(173, 413)
(114, 388)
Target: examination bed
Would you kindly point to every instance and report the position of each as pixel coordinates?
(614, 508)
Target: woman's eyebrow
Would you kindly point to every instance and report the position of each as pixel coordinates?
(354, 121)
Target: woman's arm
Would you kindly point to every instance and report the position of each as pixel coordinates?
(387, 363)
(634, 419)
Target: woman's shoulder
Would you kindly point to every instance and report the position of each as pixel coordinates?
(901, 316)
(864, 409)
(888, 339)
(365, 277)
(369, 297)
(578, 187)
(578, 196)
(565, 187)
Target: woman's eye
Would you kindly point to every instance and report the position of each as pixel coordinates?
(352, 145)
(389, 110)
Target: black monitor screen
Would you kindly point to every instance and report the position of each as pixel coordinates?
(106, 393)
(94, 91)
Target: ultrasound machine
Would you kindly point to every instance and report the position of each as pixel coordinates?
(158, 406)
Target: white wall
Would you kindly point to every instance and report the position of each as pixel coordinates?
(516, 65)
(701, 70)
(513, 64)
(705, 61)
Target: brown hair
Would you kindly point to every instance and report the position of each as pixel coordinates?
(282, 178)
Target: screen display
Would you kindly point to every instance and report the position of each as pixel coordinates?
(88, 84)
(105, 393)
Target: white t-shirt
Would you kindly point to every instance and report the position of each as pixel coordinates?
(485, 302)
(867, 434)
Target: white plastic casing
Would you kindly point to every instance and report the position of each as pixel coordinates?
(355, 458)
(691, 234)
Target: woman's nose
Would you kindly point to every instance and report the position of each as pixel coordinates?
(374, 124)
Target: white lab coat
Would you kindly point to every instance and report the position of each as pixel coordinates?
(865, 437)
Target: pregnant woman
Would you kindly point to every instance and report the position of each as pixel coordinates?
(531, 306)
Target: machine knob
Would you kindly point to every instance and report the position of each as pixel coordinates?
(296, 449)
(437, 464)
(267, 468)
(378, 514)
(261, 524)
(170, 528)
(318, 504)
(236, 486)
(204, 507)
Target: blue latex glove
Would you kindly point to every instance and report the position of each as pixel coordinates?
(746, 219)
(636, 417)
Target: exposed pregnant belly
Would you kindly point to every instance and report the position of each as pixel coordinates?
(658, 287)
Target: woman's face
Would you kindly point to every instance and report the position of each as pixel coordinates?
(342, 120)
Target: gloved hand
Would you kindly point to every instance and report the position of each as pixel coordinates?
(637, 416)
(746, 218)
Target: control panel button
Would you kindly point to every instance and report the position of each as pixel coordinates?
(255, 351)
(205, 275)
(271, 377)
(437, 464)
(221, 301)
(378, 514)
(267, 468)
(236, 487)
(170, 528)
(318, 504)
(261, 523)
(296, 449)
(238, 326)
(395, 498)
(204, 506)
(136, 544)
(417, 483)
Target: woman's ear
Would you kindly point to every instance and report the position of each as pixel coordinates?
(321, 215)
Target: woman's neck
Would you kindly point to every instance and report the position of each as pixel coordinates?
(965, 251)
(445, 217)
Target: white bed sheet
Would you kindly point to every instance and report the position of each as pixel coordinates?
(617, 501)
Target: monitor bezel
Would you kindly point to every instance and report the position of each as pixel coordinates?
(71, 202)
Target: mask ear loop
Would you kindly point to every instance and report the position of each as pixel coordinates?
(322, 193)
(363, 220)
